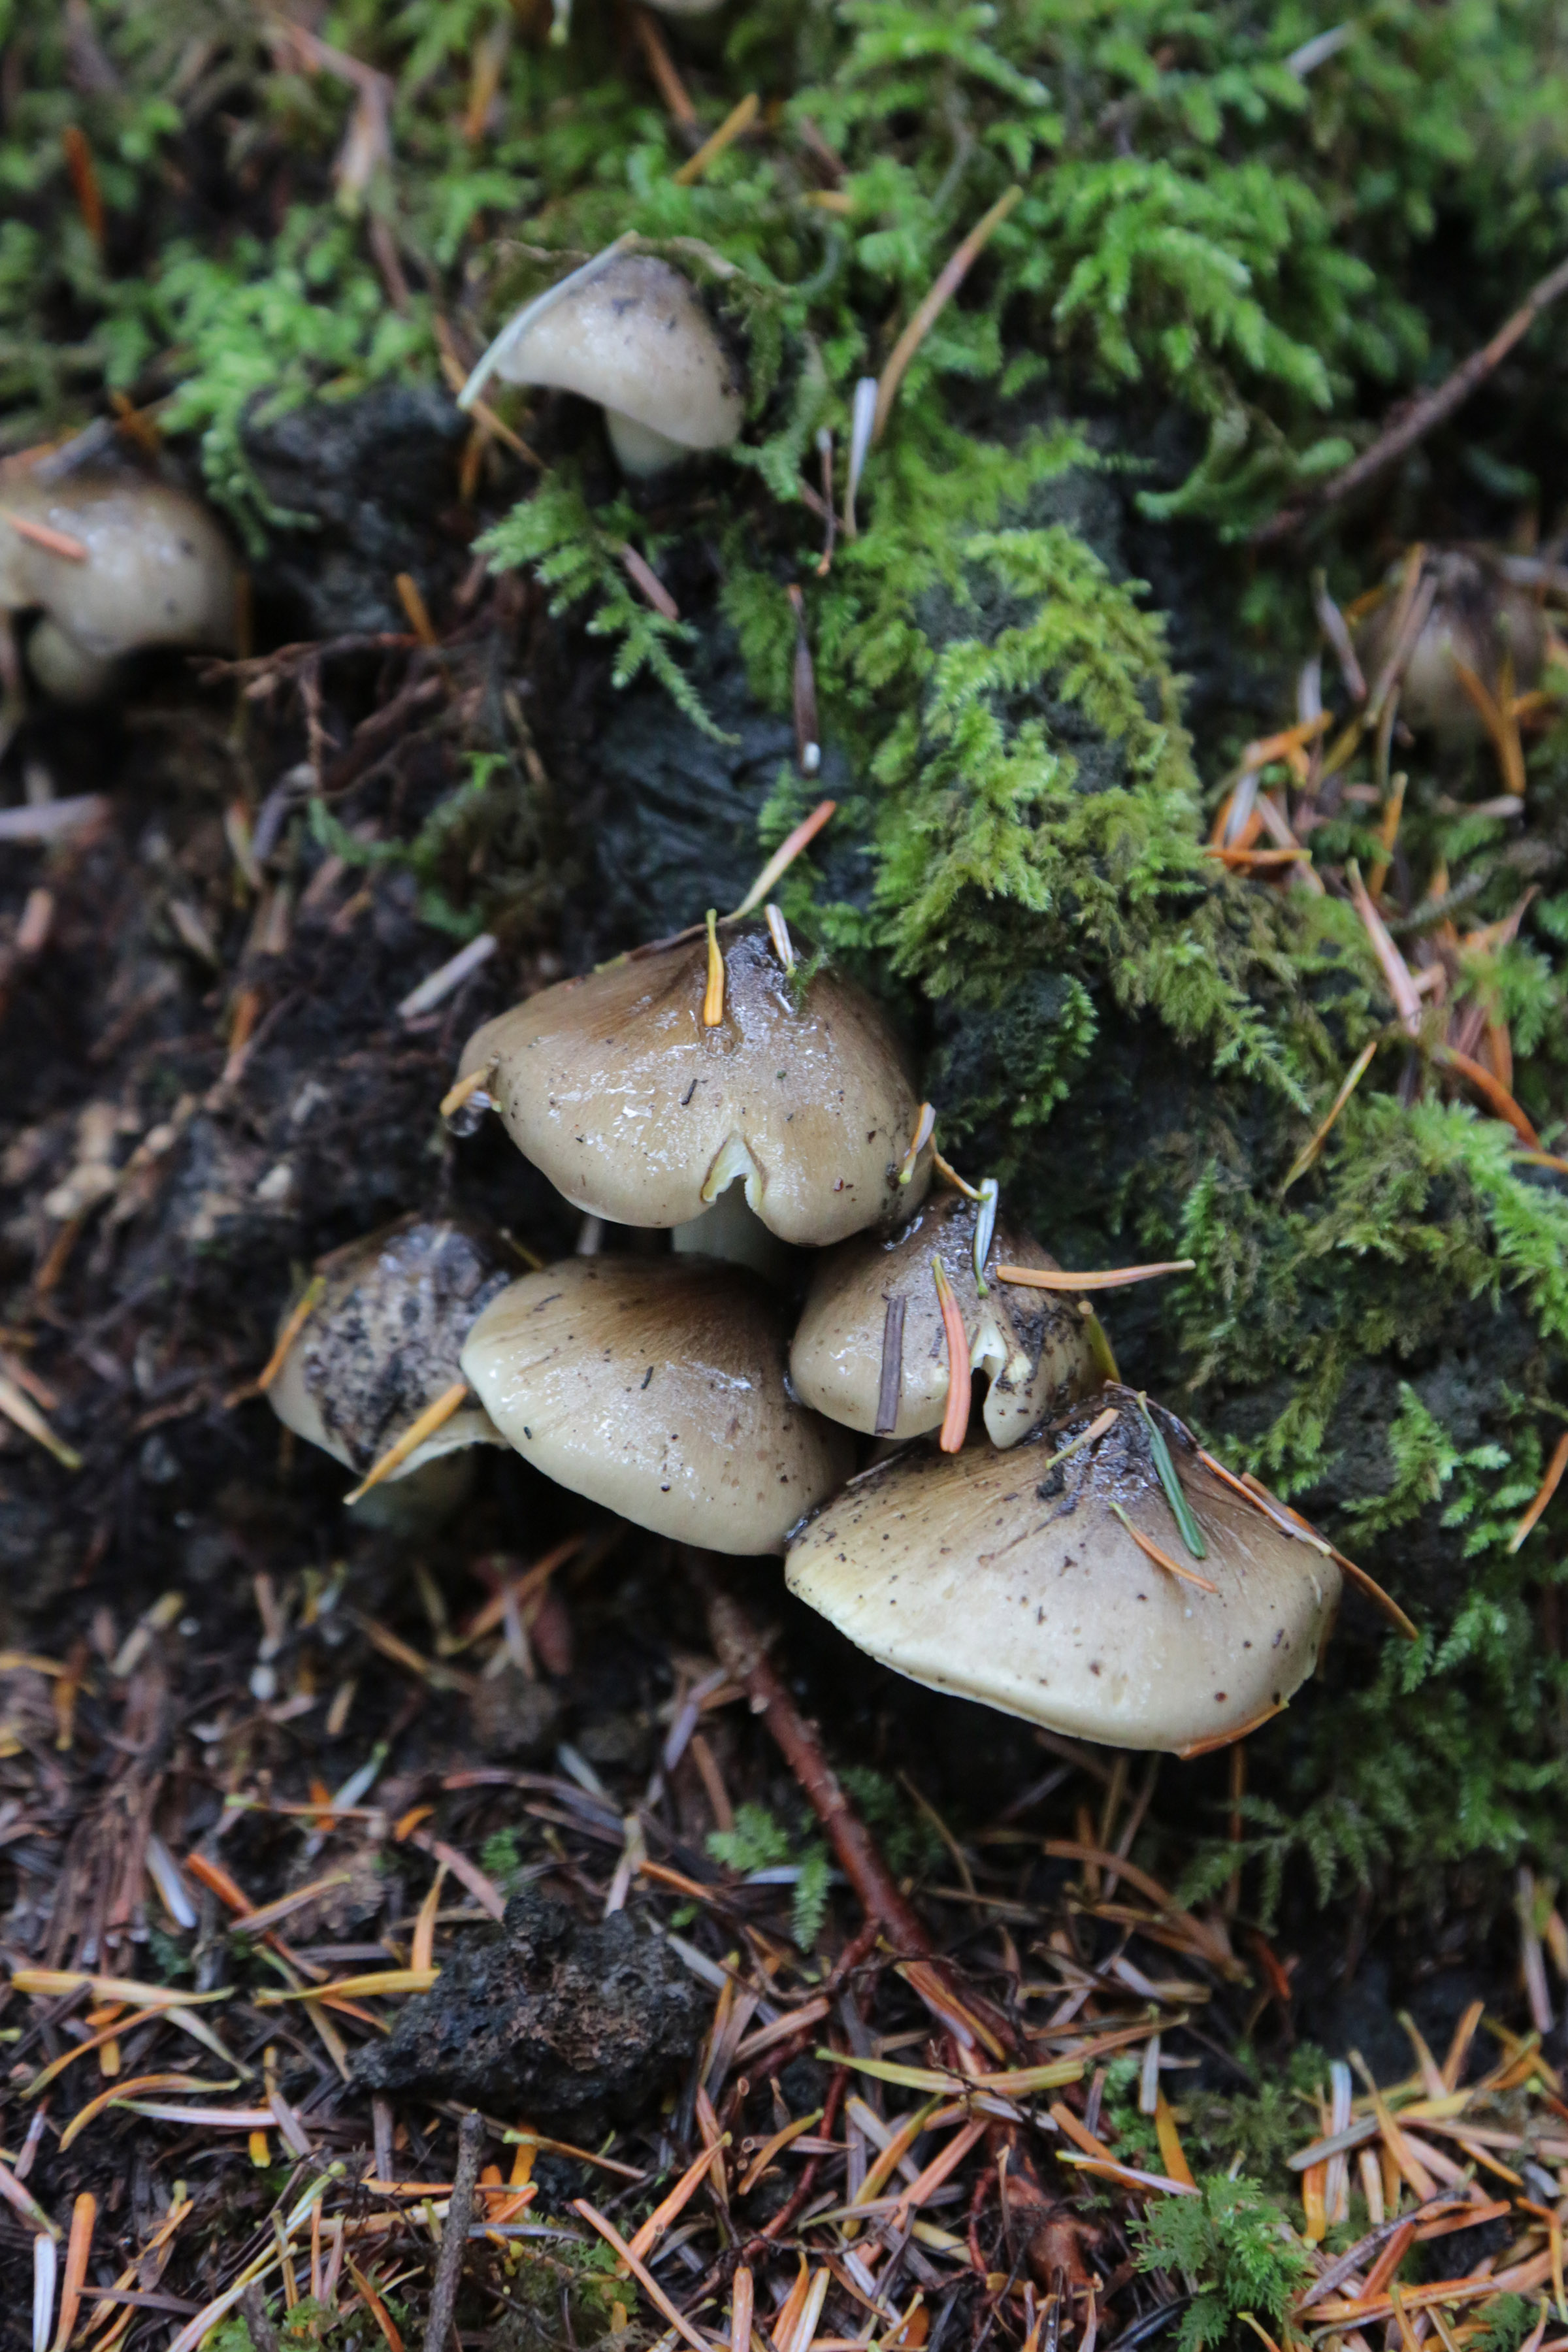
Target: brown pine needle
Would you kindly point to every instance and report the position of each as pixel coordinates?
(713, 994)
(1495, 1096)
(1374, 1592)
(1228, 1738)
(925, 1128)
(1114, 1278)
(648, 583)
(955, 1420)
(300, 1314)
(783, 858)
(662, 66)
(952, 278)
(1310, 1150)
(1548, 1487)
(644, 2277)
(1396, 971)
(1500, 722)
(675, 2204)
(56, 543)
(415, 608)
(1387, 834)
(83, 174)
(1162, 1559)
(20, 1408)
(738, 119)
(891, 1383)
(412, 1437)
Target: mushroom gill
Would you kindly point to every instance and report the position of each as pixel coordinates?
(851, 1356)
(655, 1386)
(641, 1112)
(1019, 1580)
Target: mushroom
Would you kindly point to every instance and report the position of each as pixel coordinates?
(1478, 619)
(630, 332)
(381, 1342)
(640, 1111)
(112, 562)
(1055, 1581)
(1033, 1347)
(655, 1386)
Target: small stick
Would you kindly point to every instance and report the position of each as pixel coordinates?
(300, 1314)
(1549, 1485)
(955, 1420)
(253, 2310)
(1421, 416)
(740, 1650)
(829, 512)
(1114, 1277)
(952, 278)
(646, 580)
(425, 1425)
(713, 994)
(738, 119)
(887, 1394)
(783, 858)
(415, 609)
(455, 2233)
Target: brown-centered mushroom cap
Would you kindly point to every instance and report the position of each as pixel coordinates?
(1033, 1347)
(637, 1112)
(384, 1341)
(157, 571)
(1007, 1577)
(655, 1386)
(633, 335)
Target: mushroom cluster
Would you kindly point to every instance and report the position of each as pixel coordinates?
(1073, 1559)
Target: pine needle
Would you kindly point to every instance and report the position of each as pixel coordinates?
(1548, 1487)
(1311, 1149)
(299, 1315)
(1116, 1277)
(955, 1420)
(783, 858)
(414, 1436)
(739, 118)
(713, 994)
(951, 279)
(1162, 1559)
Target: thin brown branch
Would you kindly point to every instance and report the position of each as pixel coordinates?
(455, 2234)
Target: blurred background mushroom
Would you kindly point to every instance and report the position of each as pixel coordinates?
(1457, 615)
(1099, 1579)
(372, 1346)
(872, 1349)
(643, 1111)
(655, 1386)
(112, 560)
(631, 334)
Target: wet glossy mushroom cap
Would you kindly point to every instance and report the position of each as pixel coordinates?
(384, 1341)
(637, 1112)
(655, 1386)
(157, 571)
(1007, 1577)
(1033, 1346)
(1478, 618)
(634, 336)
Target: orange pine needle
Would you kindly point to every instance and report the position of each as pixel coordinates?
(955, 1420)
(1226, 1739)
(84, 2220)
(300, 1314)
(457, 1096)
(739, 120)
(1162, 1559)
(84, 180)
(713, 994)
(1497, 1099)
(415, 608)
(925, 1128)
(1116, 1277)
(1548, 1487)
(784, 856)
(57, 542)
(951, 278)
(414, 1436)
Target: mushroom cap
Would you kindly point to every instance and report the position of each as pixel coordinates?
(655, 1386)
(158, 571)
(1034, 1345)
(384, 1338)
(639, 1113)
(1477, 618)
(635, 337)
(1007, 1577)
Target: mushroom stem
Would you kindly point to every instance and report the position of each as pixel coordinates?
(425, 1425)
(641, 450)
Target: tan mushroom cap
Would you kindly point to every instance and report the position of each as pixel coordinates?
(1004, 1579)
(1034, 1347)
(383, 1342)
(655, 1386)
(636, 1112)
(1478, 617)
(158, 571)
(634, 336)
